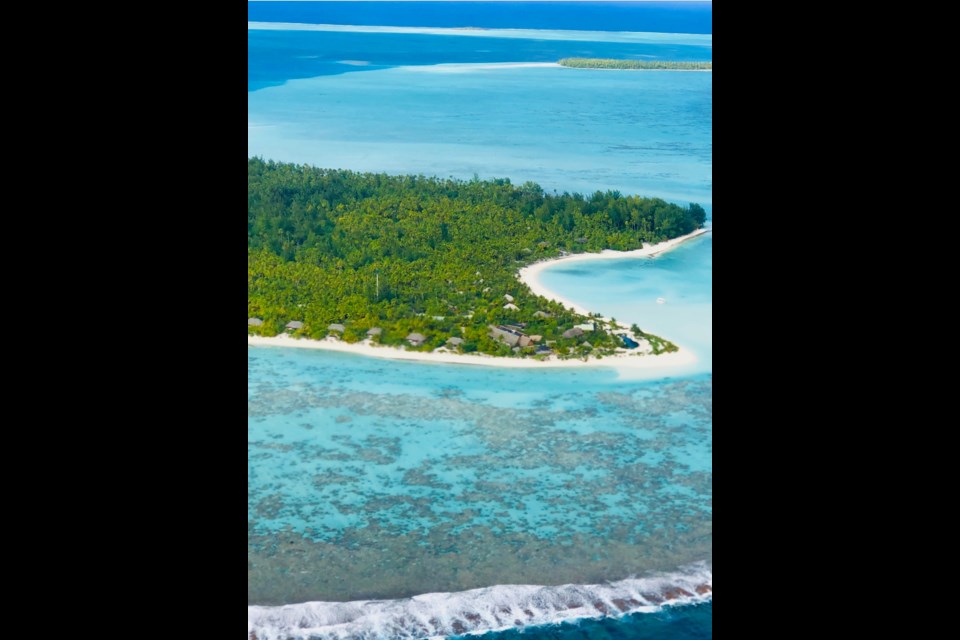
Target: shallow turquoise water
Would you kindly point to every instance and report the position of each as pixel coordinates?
(378, 479)
(628, 290)
(646, 132)
(486, 475)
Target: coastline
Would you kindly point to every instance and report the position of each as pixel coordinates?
(530, 275)
(624, 360)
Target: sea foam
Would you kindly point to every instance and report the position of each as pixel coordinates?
(478, 610)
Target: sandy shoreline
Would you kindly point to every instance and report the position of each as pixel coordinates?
(530, 275)
(622, 360)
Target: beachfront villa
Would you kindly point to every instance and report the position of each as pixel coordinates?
(254, 322)
(573, 333)
(293, 325)
(374, 331)
(454, 341)
(416, 339)
(510, 337)
(339, 328)
(526, 341)
(511, 306)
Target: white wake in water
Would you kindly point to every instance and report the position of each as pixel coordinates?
(489, 609)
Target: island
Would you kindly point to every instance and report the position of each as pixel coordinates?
(611, 63)
(431, 264)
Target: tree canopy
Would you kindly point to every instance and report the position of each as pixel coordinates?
(428, 255)
(612, 63)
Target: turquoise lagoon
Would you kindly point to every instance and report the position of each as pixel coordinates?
(373, 478)
(376, 480)
(645, 132)
(381, 479)
(629, 290)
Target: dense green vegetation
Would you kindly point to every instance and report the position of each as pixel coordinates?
(415, 254)
(610, 63)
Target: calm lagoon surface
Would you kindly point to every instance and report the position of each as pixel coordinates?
(486, 114)
(378, 480)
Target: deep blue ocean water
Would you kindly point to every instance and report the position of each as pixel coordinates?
(663, 17)
(693, 622)
(374, 479)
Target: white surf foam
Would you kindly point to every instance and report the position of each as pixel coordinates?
(478, 610)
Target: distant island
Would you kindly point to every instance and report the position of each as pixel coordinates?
(610, 63)
(426, 262)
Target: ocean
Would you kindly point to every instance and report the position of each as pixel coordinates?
(395, 499)
(661, 17)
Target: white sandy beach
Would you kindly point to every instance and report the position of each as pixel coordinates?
(529, 275)
(625, 360)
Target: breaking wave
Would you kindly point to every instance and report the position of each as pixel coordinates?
(495, 608)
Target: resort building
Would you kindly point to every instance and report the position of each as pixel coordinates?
(416, 339)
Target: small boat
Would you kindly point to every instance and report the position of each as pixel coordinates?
(661, 300)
